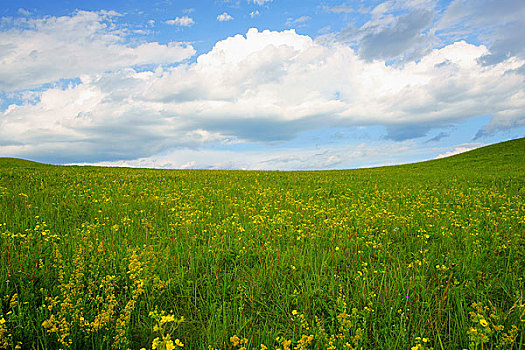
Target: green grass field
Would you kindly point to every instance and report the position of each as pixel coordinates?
(418, 256)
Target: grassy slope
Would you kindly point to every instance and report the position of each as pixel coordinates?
(508, 155)
(235, 252)
(6, 162)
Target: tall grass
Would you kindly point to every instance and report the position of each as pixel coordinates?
(428, 255)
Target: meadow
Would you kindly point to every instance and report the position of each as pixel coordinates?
(418, 256)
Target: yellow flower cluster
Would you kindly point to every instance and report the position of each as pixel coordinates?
(67, 315)
(483, 327)
(421, 344)
(4, 334)
(120, 339)
(164, 325)
(304, 342)
(69, 305)
(238, 342)
(302, 320)
(166, 343)
(108, 302)
(286, 343)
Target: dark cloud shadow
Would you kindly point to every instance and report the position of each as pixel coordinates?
(393, 41)
(438, 137)
(406, 132)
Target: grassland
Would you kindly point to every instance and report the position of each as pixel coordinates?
(419, 256)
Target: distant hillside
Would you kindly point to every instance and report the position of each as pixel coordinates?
(508, 155)
(19, 163)
(513, 150)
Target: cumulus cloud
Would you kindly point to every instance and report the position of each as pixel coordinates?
(183, 21)
(406, 30)
(39, 51)
(499, 22)
(263, 87)
(509, 42)
(224, 17)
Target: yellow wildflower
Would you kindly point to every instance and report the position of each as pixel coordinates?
(156, 343)
(4, 343)
(166, 319)
(235, 340)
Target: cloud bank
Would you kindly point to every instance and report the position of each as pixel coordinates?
(39, 51)
(264, 87)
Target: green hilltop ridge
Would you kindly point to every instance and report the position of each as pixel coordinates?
(6, 162)
(507, 155)
(504, 155)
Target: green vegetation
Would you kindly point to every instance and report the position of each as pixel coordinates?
(19, 163)
(419, 256)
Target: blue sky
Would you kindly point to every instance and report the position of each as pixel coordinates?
(258, 84)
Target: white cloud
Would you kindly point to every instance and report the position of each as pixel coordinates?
(297, 22)
(460, 149)
(39, 51)
(338, 9)
(224, 17)
(24, 12)
(394, 40)
(355, 156)
(264, 87)
(499, 23)
(396, 5)
(259, 2)
(254, 13)
(397, 30)
(183, 21)
(474, 14)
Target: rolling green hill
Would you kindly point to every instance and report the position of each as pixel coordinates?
(508, 155)
(416, 256)
(18, 163)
